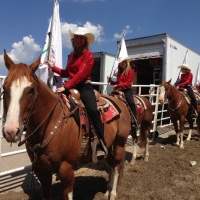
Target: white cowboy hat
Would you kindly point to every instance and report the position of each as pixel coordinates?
(185, 66)
(121, 59)
(83, 31)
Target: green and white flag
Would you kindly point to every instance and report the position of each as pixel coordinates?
(52, 51)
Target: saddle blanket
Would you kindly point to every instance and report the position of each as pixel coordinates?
(108, 115)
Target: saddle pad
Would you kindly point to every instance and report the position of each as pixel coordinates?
(139, 105)
(140, 108)
(110, 113)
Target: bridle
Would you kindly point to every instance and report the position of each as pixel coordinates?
(26, 119)
(179, 104)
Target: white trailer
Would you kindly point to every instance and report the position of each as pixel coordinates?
(103, 64)
(158, 57)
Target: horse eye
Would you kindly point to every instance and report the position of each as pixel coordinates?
(31, 91)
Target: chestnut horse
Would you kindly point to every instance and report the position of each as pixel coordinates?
(144, 118)
(179, 110)
(53, 141)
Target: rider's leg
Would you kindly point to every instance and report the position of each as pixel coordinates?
(89, 100)
(193, 100)
(129, 98)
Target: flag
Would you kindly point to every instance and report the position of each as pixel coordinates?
(122, 53)
(173, 47)
(52, 51)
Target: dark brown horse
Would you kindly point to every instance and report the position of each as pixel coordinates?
(179, 109)
(53, 138)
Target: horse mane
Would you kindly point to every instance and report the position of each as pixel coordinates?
(18, 72)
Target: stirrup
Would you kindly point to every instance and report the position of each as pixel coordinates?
(104, 148)
(195, 113)
(94, 148)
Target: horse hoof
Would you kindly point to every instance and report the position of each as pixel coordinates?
(181, 147)
(176, 144)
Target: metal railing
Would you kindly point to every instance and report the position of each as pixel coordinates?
(160, 117)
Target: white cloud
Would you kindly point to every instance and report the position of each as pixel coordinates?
(25, 50)
(22, 51)
(125, 31)
(97, 30)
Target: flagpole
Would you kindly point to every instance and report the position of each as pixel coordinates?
(51, 29)
(50, 73)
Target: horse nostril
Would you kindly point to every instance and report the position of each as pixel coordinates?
(18, 131)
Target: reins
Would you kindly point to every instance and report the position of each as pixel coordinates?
(23, 141)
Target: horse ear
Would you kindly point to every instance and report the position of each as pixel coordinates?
(34, 66)
(7, 60)
(169, 81)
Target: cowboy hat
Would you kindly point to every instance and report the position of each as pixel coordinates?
(185, 66)
(121, 59)
(83, 31)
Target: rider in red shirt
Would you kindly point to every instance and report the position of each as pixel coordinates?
(186, 82)
(124, 82)
(78, 69)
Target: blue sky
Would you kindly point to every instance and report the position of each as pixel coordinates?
(24, 23)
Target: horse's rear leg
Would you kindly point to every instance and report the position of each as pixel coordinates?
(190, 121)
(115, 172)
(135, 146)
(45, 178)
(66, 174)
(144, 140)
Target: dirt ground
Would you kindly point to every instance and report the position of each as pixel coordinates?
(168, 176)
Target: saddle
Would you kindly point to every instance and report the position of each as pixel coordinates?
(139, 103)
(108, 110)
(184, 92)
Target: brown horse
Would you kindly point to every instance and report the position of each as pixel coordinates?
(179, 110)
(53, 138)
(144, 121)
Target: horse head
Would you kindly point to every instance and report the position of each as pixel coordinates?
(164, 91)
(19, 94)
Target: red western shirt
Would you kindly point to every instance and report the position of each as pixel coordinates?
(77, 69)
(186, 79)
(124, 81)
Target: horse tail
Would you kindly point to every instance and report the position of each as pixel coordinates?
(143, 135)
(121, 171)
(198, 124)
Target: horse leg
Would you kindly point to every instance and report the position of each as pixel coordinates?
(144, 140)
(174, 121)
(190, 121)
(45, 178)
(115, 170)
(135, 146)
(146, 155)
(182, 122)
(66, 174)
(111, 192)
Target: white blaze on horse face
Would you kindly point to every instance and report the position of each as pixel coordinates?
(162, 94)
(13, 114)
